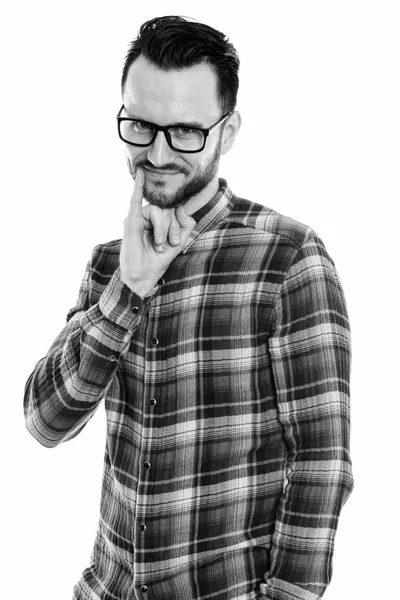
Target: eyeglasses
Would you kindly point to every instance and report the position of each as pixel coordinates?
(181, 137)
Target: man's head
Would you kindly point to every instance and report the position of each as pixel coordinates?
(186, 74)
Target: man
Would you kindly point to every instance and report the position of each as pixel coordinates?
(217, 334)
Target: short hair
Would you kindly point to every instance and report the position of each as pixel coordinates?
(173, 42)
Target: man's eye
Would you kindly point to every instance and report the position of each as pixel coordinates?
(185, 130)
(144, 126)
(140, 126)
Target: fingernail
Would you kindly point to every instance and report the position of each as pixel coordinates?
(161, 239)
(176, 240)
(161, 248)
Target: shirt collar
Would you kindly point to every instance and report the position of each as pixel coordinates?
(215, 210)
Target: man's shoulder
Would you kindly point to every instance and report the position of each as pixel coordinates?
(269, 221)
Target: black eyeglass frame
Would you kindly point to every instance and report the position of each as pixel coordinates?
(205, 131)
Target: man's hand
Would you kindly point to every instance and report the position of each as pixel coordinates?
(152, 238)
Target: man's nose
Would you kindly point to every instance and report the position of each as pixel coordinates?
(159, 153)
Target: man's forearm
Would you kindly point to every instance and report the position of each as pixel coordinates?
(68, 384)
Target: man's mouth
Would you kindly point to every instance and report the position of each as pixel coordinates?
(161, 171)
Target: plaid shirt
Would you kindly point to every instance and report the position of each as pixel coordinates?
(227, 400)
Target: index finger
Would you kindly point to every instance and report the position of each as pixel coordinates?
(135, 209)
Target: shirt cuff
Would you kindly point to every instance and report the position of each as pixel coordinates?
(119, 304)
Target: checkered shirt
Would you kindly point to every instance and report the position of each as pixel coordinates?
(226, 394)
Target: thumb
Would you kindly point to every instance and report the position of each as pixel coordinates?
(185, 221)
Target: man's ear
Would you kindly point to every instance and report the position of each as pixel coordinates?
(230, 131)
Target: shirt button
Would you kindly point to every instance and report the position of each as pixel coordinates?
(112, 357)
(143, 528)
(161, 281)
(155, 341)
(144, 589)
(152, 401)
(135, 310)
(147, 465)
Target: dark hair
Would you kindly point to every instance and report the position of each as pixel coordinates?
(176, 43)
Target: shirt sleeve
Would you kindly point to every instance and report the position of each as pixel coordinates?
(67, 385)
(310, 355)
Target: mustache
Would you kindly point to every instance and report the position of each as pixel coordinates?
(166, 167)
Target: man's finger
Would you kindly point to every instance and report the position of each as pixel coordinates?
(160, 223)
(174, 232)
(185, 221)
(135, 209)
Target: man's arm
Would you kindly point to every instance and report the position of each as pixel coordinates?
(310, 354)
(68, 384)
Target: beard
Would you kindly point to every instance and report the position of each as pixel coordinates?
(188, 189)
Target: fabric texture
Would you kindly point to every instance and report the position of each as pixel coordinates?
(226, 394)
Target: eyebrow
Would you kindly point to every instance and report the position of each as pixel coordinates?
(194, 124)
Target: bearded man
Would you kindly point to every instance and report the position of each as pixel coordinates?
(217, 335)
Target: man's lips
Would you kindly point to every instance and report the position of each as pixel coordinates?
(161, 172)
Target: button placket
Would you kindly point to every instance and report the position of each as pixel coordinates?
(143, 510)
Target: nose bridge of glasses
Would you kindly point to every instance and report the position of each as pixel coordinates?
(159, 148)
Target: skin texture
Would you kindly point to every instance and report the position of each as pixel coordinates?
(175, 184)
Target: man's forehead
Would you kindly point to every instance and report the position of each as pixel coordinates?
(171, 94)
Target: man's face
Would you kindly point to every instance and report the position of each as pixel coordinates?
(166, 98)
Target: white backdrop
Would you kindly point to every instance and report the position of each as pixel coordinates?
(320, 142)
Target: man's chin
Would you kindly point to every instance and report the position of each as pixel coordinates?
(163, 199)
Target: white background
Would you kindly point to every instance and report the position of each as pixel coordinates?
(320, 142)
